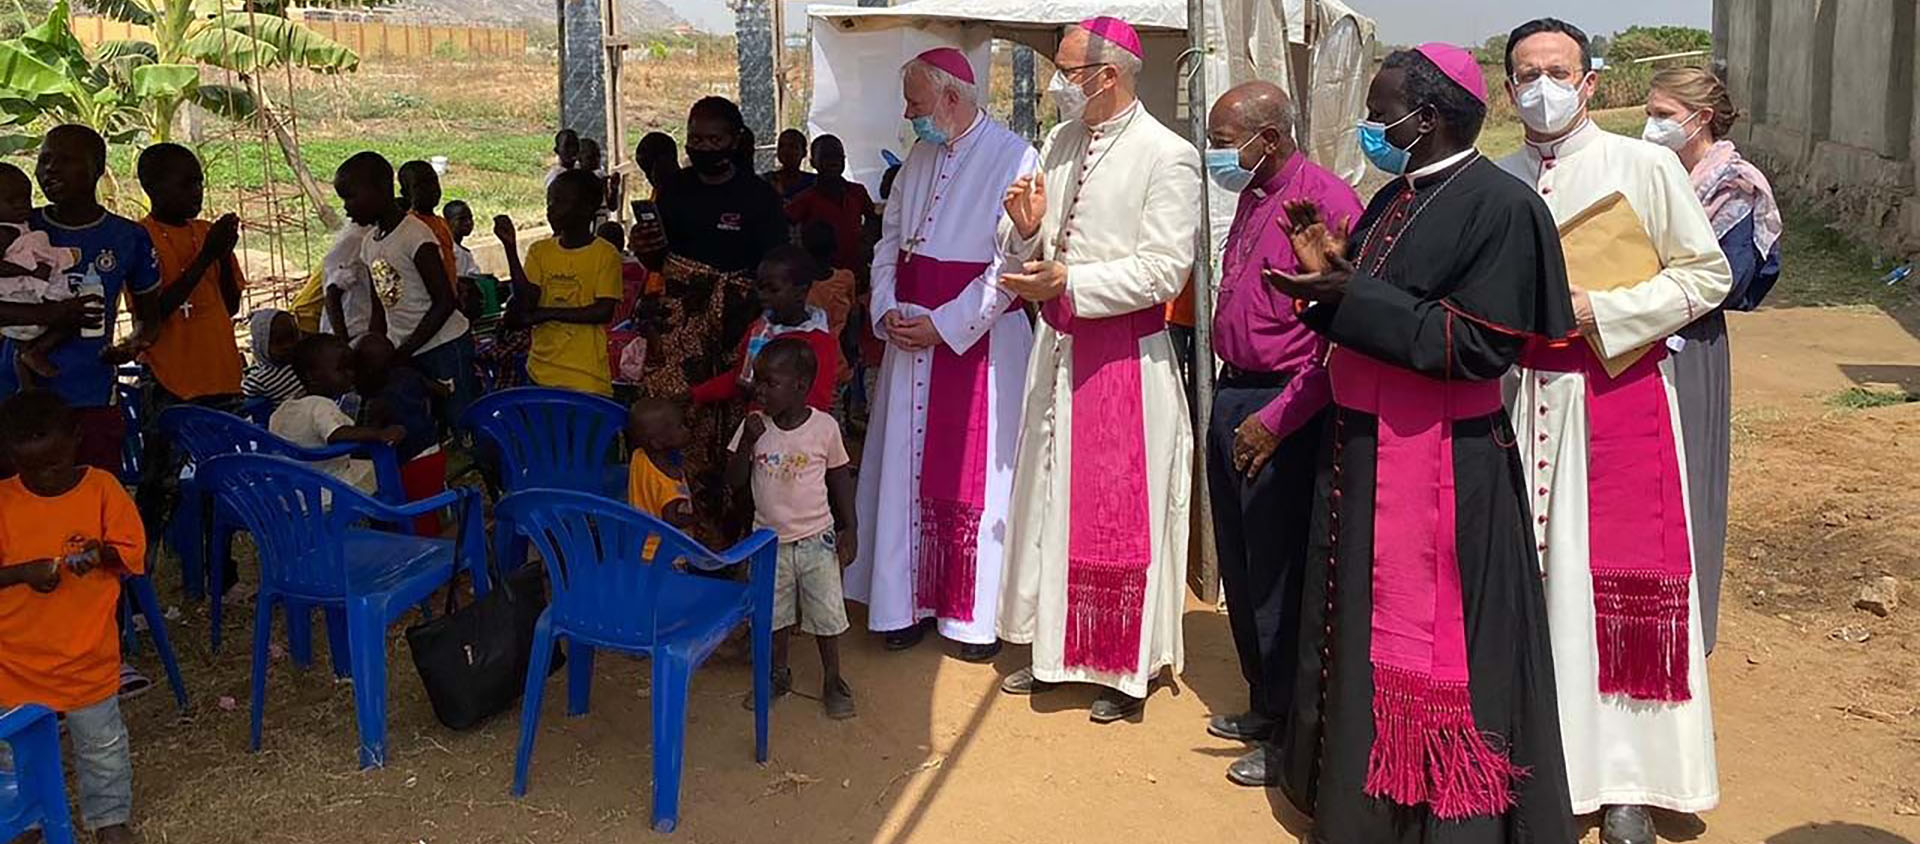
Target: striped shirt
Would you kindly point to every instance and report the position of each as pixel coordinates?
(275, 382)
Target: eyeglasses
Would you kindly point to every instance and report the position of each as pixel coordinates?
(1530, 75)
(1079, 68)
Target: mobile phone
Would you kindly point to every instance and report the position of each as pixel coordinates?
(645, 211)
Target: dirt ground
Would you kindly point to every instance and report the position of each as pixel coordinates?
(1815, 702)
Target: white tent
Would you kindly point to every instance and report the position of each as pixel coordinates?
(857, 53)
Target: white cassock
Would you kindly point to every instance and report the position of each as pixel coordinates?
(939, 255)
(1123, 202)
(1620, 751)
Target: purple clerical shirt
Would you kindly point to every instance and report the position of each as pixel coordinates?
(1254, 326)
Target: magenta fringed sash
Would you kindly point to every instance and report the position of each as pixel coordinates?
(1426, 748)
(1636, 524)
(953, 470)
(1109, 538)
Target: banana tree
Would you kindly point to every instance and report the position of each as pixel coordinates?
(47, 76)
(165, 73)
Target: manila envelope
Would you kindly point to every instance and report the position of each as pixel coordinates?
(1607, 248)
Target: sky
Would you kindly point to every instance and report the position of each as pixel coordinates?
(1401, 21)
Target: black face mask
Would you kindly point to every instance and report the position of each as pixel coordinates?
(711, 162)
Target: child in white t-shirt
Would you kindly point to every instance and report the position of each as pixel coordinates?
(316, 420)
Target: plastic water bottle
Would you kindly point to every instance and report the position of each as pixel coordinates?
(90, 285)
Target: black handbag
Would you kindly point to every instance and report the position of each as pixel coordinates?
(473, 659)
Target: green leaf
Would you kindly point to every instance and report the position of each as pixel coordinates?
(229, 101)
(164, 80)
(109, 51)
(22, 74)
(137, 12)
(231, 49)
(296, 44)
(16, 144)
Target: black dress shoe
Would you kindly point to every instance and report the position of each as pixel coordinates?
(978, 653)
(1260, 768)
(1246, 726)
(1627, 825)
(1022, 682)
(1113, 705)
(906, 637)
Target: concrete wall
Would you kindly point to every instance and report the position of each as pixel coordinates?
(1829, 89)
(370, 39)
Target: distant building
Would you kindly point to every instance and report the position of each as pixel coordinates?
(1828, 90)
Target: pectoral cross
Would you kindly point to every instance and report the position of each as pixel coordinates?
(186, 310)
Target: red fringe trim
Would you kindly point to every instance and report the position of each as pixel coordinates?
(1426, 749)
(1104, 603)
(1641, 620)
(946, 566)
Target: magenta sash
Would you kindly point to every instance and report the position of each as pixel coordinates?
(953, 470)
(1109, 538)
(1636, 523)
(1426, 748)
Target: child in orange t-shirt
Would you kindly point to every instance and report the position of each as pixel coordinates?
(656, 476)
(68, 533)
(420, 193)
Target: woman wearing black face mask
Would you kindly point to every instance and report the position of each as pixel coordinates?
(720, 219)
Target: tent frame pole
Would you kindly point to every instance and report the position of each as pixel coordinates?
(1208, 581)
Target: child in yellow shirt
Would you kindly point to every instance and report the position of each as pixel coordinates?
(566, 290)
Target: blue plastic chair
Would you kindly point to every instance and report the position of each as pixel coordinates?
(543, 438)
(35, 792)
(203, 536)
(133, 446)
(607, 595)
(137, 594)
(314, 553)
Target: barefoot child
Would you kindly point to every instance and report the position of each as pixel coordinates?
(791, 457)
(570, 284)
(70, 533)
(781, 282)
(31, 273)
(316, 420)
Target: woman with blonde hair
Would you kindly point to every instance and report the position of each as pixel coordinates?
(1690, 111)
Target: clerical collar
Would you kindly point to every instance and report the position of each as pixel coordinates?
(1441, 166)
(979, 116)
(1115, 120)
(1567, 144)
(1282, 175)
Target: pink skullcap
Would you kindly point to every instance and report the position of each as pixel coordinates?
(1459, 66)
(950, 60)
(1116, 30)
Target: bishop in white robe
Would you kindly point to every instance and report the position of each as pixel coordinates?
(937, 470)
(1606, 466)
(1096, 558)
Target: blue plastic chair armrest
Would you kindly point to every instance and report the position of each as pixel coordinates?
(22, 718)
(325, 452)
(386, 471)
(739, 553)
(382, 511)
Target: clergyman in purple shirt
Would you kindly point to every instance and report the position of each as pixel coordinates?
(1267, 407)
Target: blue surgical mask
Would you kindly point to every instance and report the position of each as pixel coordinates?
(1223, 165)
(1391, 159)
(924, 128)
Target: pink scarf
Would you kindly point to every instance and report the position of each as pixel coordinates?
(953, 474)
(1109, 542)
(1733, 189)
(1426, 747)
(1636, 524)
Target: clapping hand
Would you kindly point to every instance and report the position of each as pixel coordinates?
(1040, 281)
(1321, 251)
(222, 237)
(504, 230)
(1026, 203)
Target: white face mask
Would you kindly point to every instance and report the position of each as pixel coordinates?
(1668, 132)
(1548, 106)
(1070, 98)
